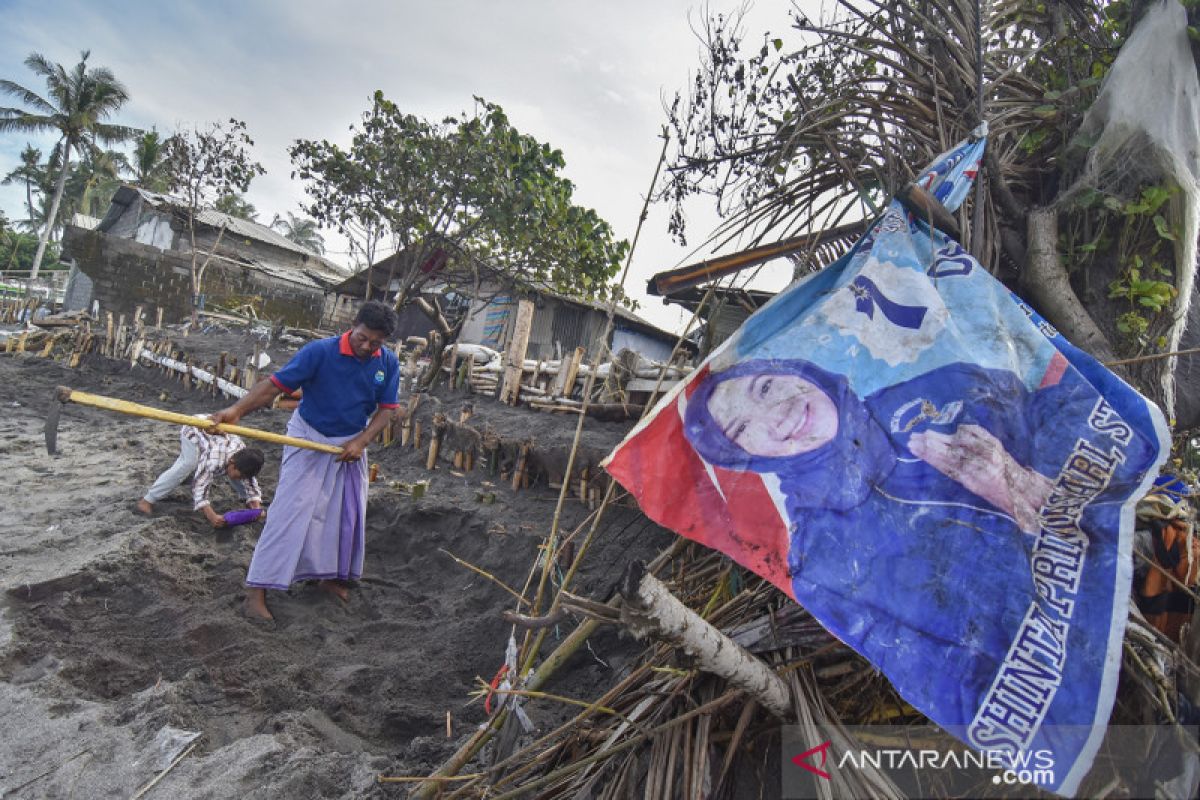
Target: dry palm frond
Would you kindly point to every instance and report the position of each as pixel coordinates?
(790, 141)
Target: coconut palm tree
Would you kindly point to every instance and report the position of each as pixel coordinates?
(149, 162)
(30, 173)
(236, 205)
(301, 231)
(76, 104)
(93, 181)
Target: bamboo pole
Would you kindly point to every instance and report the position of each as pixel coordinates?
(1152, 357)
(530, 648)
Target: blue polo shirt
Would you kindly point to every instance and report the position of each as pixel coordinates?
(341, 392)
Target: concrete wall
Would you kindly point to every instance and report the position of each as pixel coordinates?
(126, 274)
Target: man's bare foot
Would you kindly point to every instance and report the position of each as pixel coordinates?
(145, 508)
(335, 588)
(256, 605)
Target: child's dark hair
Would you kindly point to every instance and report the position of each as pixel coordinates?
(248, 461)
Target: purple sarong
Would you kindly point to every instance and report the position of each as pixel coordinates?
(316, 525)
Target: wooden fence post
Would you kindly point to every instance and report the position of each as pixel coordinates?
(514, 359)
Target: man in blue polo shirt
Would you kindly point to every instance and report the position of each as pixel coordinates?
(316, 528)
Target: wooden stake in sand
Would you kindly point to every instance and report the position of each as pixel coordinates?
(435, 441)
(521, 472)
(566, 385)
(514, 358)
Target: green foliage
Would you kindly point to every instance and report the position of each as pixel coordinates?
(301, 231)
(92, 181)
(472, 187)
(204, 165)
(32, 175)
(1135, 233)
(149, 162)
(1150, 294)
(17, 250)
(236, 205)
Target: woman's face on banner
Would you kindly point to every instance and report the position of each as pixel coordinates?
(773, 415)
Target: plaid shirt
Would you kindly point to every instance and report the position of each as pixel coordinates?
(215, 451)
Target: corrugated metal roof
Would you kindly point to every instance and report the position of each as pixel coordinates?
(618, 312)
(289, 274)
(233, 225)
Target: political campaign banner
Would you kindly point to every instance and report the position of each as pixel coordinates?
(948, 485)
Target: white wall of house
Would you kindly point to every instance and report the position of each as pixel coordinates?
(155, 230)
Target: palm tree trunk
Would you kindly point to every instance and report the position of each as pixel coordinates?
(58, 193)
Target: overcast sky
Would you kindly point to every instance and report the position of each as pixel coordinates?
(588, 78)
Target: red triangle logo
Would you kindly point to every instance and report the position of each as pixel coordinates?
(802, 759)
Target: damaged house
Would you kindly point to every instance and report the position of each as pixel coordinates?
(559, 324)
(140, 254)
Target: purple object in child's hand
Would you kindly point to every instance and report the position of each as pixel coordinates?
(241, 516)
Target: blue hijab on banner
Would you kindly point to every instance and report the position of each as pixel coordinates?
(948, 483)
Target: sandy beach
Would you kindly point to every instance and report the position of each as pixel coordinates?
(122, 646)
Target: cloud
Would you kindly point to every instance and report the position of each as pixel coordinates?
(585, 78)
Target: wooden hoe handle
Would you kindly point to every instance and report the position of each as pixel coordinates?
(68, 395)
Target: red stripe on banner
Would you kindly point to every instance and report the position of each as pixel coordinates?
(1054, 370)
(761, 536)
